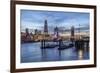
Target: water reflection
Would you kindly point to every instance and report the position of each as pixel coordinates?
(80, 54)
(31, 52)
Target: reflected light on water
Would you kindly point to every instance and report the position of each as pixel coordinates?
(80, 54)
(31, 52)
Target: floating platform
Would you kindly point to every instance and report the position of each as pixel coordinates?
(62, 47)
(49, 46)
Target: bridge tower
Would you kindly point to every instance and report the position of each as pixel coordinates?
(56, 32)
(72, 33)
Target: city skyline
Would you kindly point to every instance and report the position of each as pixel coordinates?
(34, 19)
(54, 32)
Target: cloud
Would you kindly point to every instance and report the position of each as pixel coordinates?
(35, 19)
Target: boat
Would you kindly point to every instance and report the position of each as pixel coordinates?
(47, 46)
(62, 47)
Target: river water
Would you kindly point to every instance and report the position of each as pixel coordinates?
(31, 52)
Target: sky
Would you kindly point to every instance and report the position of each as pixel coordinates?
(34, 19)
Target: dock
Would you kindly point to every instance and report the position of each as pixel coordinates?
(79, 44)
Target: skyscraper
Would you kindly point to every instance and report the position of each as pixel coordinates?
(45, 27)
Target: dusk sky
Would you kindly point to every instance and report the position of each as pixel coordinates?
(34, 19)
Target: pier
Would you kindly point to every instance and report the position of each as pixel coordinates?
(78, 43)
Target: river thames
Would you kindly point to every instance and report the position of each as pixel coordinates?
(31, 52)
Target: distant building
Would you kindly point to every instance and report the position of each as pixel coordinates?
(26, 36)
(27, 31)
(45, 27)
(37, 32)
(72, 31)
(56, 32)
